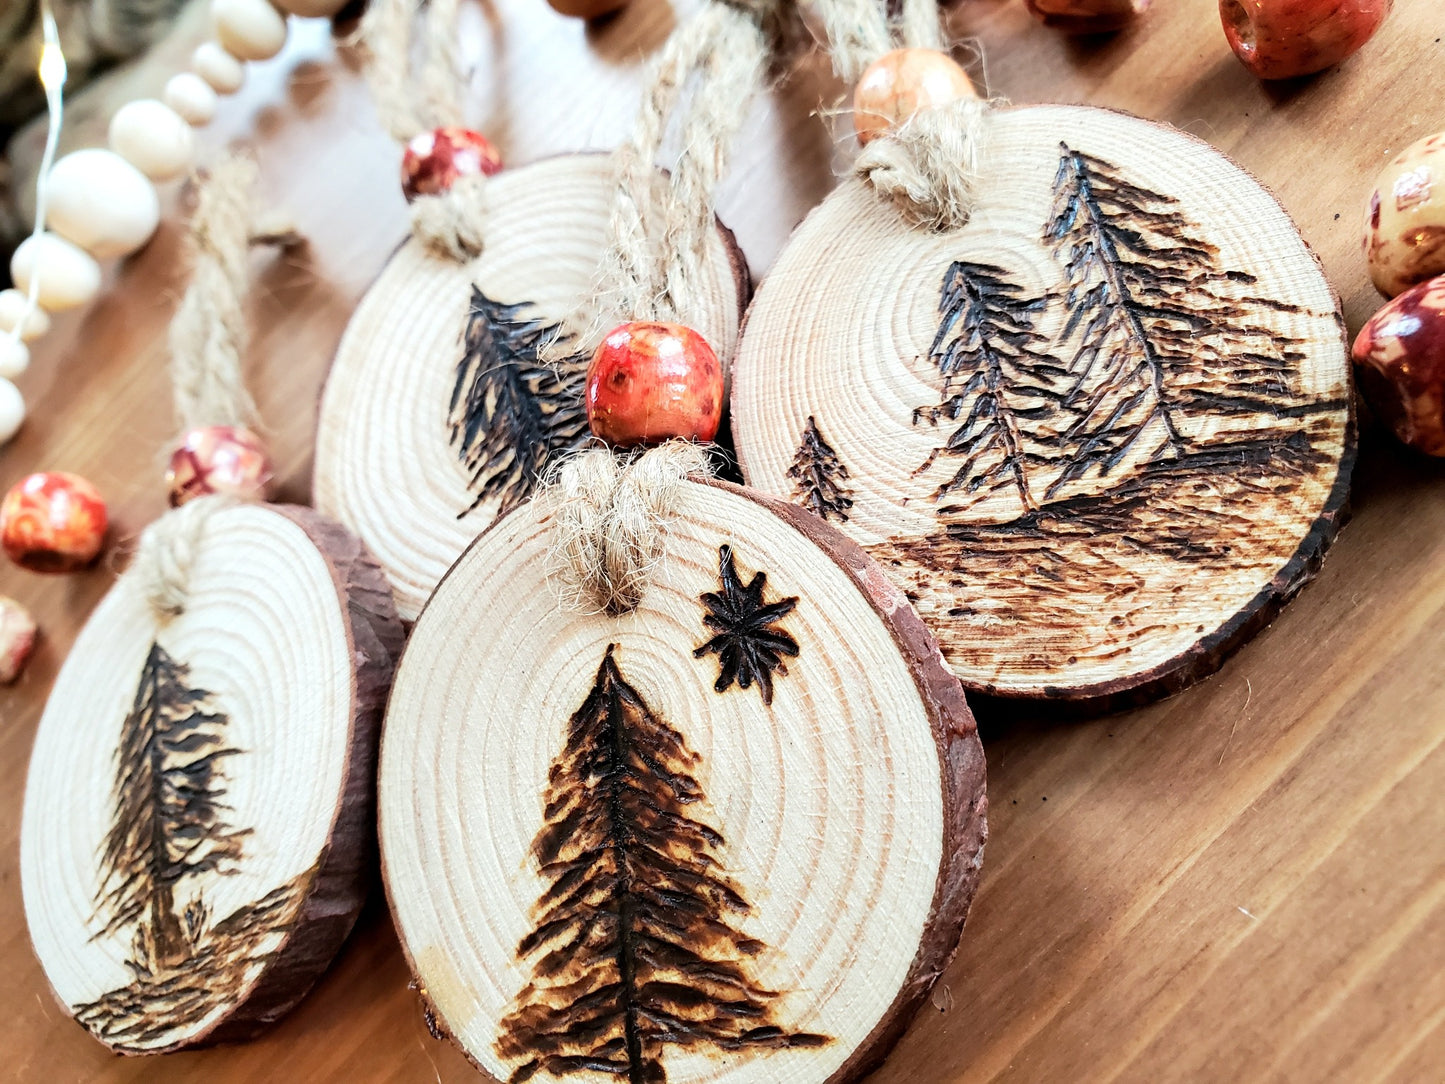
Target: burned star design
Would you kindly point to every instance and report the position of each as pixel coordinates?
(749, 645)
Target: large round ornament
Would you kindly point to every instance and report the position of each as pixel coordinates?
(196, 841)
(730, 836)
(1098, 435)
(437, 415)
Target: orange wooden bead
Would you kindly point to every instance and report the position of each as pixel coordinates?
(587, 9)
(225, 459)
(1284, 39)
(899, 84)
(649, 382)
(1087, 16)
(1405, 223)
(52, 522)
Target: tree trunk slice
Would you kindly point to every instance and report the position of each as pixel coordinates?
(1098, 436)
(748, 814)
(197, 901)
(436, 417)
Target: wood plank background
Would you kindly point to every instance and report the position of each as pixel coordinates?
(1246, 882)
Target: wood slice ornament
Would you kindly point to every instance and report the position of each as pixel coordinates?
(438, 415)
(1098, 434)
(197, 827)
(730, 835)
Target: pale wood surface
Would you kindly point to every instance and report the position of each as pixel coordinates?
(1244, 882)
(849, 800)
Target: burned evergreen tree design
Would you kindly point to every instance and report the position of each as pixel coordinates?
(635, 946)
(998, 376)
(1140, 410)
(169, 830)
(511, 413)
(820, 476)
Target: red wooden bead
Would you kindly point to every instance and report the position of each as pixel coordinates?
(1282, 39)
(649, 382)
(434, 160)
(225, 459)
(1087, 16)
(1400, 360)
(52, 522)
(17, 639)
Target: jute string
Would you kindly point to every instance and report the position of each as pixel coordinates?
(207, 340)
(416, 93)
(928, 167)
(612, 520)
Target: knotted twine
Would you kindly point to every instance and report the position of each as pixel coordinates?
(417, 93)
(928, 166)
(613, 510)
(207, 339)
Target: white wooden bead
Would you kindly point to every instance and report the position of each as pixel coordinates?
(14, 358)
(312, 9)
(219, 68)
(192, 97)
(101, 202)
(12, 310)
(249, 29)
(12, 410)
(67, 274)
(153, 137)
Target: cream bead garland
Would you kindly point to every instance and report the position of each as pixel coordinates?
(249, 29)
(153, 137)
(102, 203)
(15, 309)
(212, 63)
(66, 274)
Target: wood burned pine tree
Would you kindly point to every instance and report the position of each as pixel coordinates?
(998, 376)
(819, 476)
(511, 413)
(1160, 328)
(168, 827)
(635, 946)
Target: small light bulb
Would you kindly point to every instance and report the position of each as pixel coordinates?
(52, 66)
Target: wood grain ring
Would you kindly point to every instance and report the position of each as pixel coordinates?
(386, 465)
(850, 810)
(1098, 436)
(291, 633)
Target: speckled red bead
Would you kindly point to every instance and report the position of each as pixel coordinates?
(1405, 218)
(1087, 16)
(226, 459)
(52, 522)
(1282, 39)
(17, 639)
(434, 160)
(1400, 360)
(649, 382)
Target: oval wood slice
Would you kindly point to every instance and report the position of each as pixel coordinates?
(729, 836)
(1098, 435)
(437, 416)
(197, 834)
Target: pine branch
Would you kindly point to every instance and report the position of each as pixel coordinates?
(820, 476)
(510, 414)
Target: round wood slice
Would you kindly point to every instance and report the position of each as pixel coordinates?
(197, 836)
(729, 836)
(1098, 435)
(437, 417)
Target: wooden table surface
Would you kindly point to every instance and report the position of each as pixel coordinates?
(1245, 882)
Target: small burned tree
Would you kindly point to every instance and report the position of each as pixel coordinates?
(635, 946)
(998, 375)
(510, 413)
(168, 824)
(819, 476)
